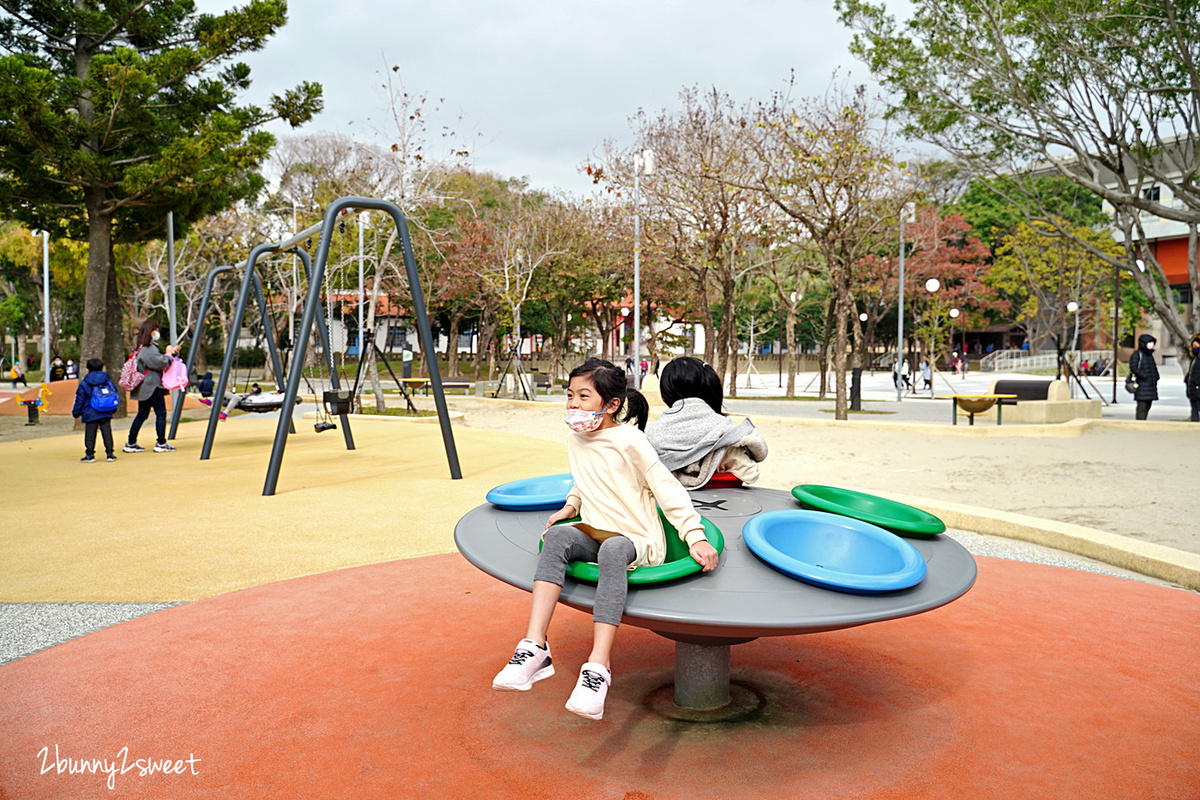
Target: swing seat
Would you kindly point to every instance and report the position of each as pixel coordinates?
(262, 403)
(338, 401)
(678, 563)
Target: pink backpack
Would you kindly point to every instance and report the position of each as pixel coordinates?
(175, 376)
(130, 377)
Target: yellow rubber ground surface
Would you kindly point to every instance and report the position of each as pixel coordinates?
(167, 526)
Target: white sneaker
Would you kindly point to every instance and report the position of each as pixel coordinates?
(530, 663)
(588, 698)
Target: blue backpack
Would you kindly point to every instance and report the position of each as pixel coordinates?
(104, 398)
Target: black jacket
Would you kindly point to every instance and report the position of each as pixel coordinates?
(1144, 370)
(1191, 378)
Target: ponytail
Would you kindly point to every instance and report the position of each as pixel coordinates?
(639, 408)
(611, 384)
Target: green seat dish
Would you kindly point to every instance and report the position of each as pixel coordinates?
(895, 517)
(678, 564)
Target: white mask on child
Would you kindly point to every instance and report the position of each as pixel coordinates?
(582, 421)
(154, 336)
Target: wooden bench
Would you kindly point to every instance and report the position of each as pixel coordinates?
(1024, 390)
(458, 383)
(1043, 402)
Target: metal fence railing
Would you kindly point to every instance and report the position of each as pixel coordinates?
(1023, 360)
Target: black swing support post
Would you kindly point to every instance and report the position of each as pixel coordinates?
(250, 278)
(323, 332)
(311, 301)
(197, 341)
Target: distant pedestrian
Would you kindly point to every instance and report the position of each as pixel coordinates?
(1145, 372)
(95, 401)
(58, 370)
(206, 385)
(926, 375)
(17, 374)
(72, 369)
(1191, 378)
(904, 375)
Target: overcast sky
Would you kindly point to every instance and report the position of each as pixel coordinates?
(545, 83)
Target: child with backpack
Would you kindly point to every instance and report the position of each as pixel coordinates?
(95, 401)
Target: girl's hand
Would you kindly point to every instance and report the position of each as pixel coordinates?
(566, 512)
(705, 555)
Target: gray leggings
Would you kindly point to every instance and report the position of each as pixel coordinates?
(565, 543)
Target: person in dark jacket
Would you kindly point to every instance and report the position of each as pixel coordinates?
(150, 394)
(206, 385)
(1191, 378)
(1145, 372)
(92, 419)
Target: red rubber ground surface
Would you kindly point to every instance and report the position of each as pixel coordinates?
(375, 682)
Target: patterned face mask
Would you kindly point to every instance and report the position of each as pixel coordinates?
(582, 421)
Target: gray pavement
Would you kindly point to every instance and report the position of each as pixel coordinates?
(762, 393)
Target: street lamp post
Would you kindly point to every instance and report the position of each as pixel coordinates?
(621, 334)
(953, 316)
(45, 304)
(176, 394)
(171, 281)
(900, 323)
(1072, 308)
(931, 287)
(643, 161)
(1116, 328)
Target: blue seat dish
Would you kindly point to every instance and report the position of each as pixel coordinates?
(834, 552)
(543, 493)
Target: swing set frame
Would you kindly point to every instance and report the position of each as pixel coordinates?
(312, 302)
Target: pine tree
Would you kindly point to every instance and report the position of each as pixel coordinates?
(114, 112)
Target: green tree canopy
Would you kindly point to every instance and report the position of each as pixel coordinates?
(1041, 273)
(1105, 93)
(991, 210)
(113, 112)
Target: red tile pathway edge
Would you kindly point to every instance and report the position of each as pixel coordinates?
(375, 682)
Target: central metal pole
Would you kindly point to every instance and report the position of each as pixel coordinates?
(701, 675)
(171, 277)
(46, 306)
(176, 394)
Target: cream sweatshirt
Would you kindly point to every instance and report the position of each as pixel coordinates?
(618, 477)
